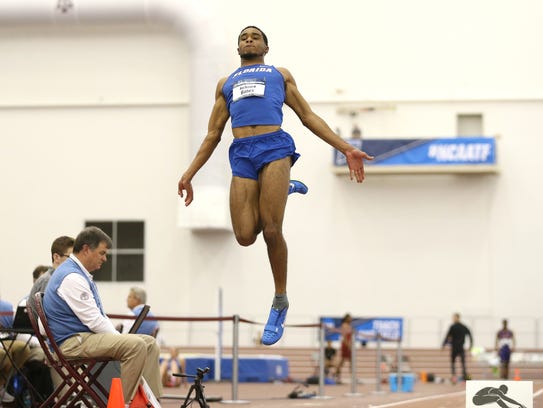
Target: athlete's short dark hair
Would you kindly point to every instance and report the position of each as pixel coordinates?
(261, 32)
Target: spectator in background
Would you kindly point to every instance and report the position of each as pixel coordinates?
(329, 357)
(37, 371)
(356, 133)
(455, 338)
(505, 345)
(61, 248)
(80, 325)
(170, 366)
(18, 352)
(39, 271)
(5, 368)
(36, 273)
(6, 314)
(346, 332)
(136, 300)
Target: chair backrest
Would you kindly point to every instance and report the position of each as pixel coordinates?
(79, 375)
(45, 324)
(139, 319)
(45, 334)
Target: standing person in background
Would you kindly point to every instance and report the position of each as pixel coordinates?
(346, 332)
(456, 337)
(505, 345)
(261, 156)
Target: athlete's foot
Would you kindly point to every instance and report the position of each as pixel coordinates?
(296, 186)
(274, 327)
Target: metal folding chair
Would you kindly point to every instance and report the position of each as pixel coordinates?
(79, 375)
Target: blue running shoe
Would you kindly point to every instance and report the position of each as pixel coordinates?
(296, 186)
(274, 327)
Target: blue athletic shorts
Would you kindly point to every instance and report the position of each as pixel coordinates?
(249, 154)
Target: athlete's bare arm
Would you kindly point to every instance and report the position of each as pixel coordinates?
(217, 121)
(319, 127)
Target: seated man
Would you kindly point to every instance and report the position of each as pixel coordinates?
(136, 299)
(78, 321)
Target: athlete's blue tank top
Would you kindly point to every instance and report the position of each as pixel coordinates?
(255, 95)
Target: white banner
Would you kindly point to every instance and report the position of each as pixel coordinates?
(495, 394)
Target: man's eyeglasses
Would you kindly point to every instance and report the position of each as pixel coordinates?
(65, 255)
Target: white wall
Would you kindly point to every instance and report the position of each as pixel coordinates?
(417, 246)
(94, 126)
(396, 49)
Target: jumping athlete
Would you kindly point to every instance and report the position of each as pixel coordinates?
(261, 156)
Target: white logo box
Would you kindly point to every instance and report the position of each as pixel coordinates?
(491, 394)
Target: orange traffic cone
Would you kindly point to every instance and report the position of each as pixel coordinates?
(517, 375)
(423, 376)
(116, 397)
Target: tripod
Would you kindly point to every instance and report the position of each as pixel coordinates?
(197, 387)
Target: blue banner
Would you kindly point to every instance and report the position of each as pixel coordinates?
(427, 152)
(387, 328)
(366, 328)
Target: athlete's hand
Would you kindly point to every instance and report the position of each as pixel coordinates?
(355, 161)
(185, 184)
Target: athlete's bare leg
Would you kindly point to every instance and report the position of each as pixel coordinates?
(274, 182)
(260, 206)
(244, 211)
(257, 206)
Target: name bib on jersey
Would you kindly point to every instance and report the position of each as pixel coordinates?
(248, 87)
